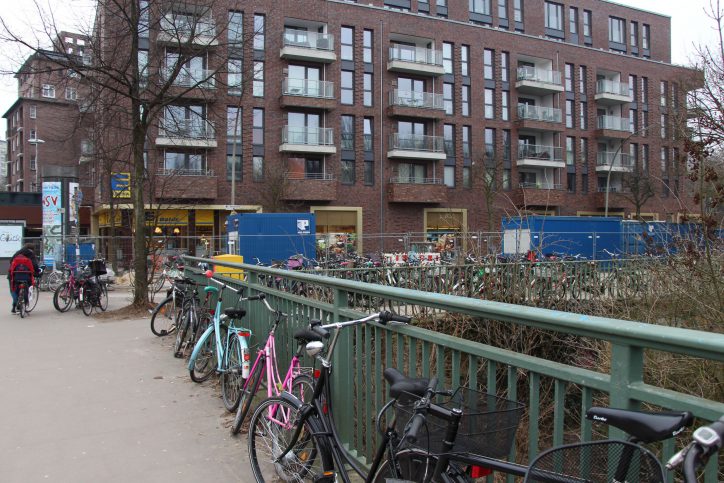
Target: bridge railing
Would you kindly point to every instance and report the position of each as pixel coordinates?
(557, 394)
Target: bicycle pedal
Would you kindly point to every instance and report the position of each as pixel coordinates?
(328, 477)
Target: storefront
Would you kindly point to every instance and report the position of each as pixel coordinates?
(339, 228)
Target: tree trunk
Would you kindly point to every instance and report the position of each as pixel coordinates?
(140, 251)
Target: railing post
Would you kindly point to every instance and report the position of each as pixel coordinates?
(627, 367)
(344, 389)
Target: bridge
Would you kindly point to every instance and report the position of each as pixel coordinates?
(624, 355)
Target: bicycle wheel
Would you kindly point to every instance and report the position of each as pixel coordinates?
(63, 298)
(270, 432)
(232, 379)
(162, 318)
(251, 386)
(180, 344)
(85, 301)
(205, 362)
(54, 280)
(21, 307)
(158, 282)
(33, 295)
(412, 465)
(103, 296)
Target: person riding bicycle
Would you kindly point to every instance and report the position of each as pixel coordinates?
(23, 262)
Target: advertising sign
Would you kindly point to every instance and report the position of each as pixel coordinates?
(11, 239)
(76, 197)
(52, 222)
(121, 185)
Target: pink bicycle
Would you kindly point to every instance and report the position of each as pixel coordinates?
(297, 381)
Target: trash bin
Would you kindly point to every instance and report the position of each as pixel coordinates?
(228, 271)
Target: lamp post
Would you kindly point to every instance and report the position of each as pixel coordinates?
(35, 142)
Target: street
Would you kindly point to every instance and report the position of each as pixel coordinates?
(97, 400)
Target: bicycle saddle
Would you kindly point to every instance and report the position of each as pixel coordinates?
(233, 313)
(646, 427)
(303, 336)
(400, 383)
(210, 289)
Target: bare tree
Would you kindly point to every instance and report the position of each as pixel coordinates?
(638, 188)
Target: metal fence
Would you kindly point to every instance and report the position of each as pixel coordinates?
(557, 394)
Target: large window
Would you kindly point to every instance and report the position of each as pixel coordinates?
(191, 163)
(447, 98)
(570, 150)
(367, 89)
(235, 76)
(518, 10)
(466, 101)
(347, 87)
(367, 135)
(504, 62)
(488, 68)
(489, 144)
(348, 172)
(584, 116)
(569, 77)
(505, 106)
(489, 103)
(258, 82)
(554, 16)
(569, 113)
(467, 130)
(503, 9)
(347, 132)
(587, 21)
(447, 57)
(347, 43)
(448, 135)
(573, 20)
(617, 30)
(48, 91)
(634, 34)
(233, 163)
(257, 168)
(465, 60)
(235, 31)
(259, 32)
(367, 49)
(257, 137)
(233, 123)
(646, 37)
(479, 6)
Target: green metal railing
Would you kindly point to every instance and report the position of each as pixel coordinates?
(554, 391)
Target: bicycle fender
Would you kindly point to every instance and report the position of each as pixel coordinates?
(202, 340)
(291, 399)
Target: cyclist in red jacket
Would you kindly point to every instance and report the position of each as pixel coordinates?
(23, 260)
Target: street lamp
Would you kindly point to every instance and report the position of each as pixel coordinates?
(35, 142)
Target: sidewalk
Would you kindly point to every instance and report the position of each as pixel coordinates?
(86, 400)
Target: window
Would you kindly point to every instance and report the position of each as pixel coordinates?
(571, 182)
(644, 90)
(616, 30)
(184, 162)
(573, 20)
(570, 150)
(367, 47)
(143, 16)
(369, 173)
(467, 179)
(479, 6)
(503, 9)
(582, 80)
(569, 77)
(587, 20)
(447, 98)
(506, 179)
(467, 130)
(504, 62)
(554, 16)
(447, 57)
(645, 37)
(633, 124)
(233, 122)
(233, 162)
(645, 158)
(367, 89)
(506, 145)
(71, 93)
(664, 162)
(235, 32)
(505, 106)
(259, 34)
(258, 81)
(347, 132)
(489, 103)
(634, 37)
(645, 123)
(257, 168)
(584, 183)
(348, 174)
(584, 150)
(518, 10)
(464, 60)
(449, 176)
(33, 111)
(489, 143)
(448, 136)
(584, 116)
(569, 114)
(33, 134)
(347, 43)
(488, 68)
(664, 126)
(632, 87)
(33, 163)
(664, 92)
(367, 135)
(466, 101)
(143, 67)
(257, 137)
(48, 91)
(347, 87)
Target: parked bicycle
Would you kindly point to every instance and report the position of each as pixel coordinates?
(93, 293)
(192, 320)
(164, 315)
(67, 293)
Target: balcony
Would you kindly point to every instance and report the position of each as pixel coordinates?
(416, 104)
(307, 46)
(612, 127)
(404, 189)
(610, 92)
(533, 80)
(185, 184)
(538, 118)
(196, 78)
(615, 162)
(300, 139)
(538, 194)
(536, 155)
(190, 133)
(416, 146)
(181, 29)
(310, 187)
(307, 93)
(415, 60)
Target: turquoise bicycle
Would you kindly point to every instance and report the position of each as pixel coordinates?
(225, 343)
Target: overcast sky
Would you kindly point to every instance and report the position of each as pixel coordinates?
(689, 26)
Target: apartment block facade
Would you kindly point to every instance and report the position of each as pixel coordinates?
(394, 116)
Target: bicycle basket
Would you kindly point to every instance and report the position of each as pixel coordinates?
(97, 267)
(487, 427)
(596, 462)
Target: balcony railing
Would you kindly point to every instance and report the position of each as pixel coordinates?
(539, 75)
(540, 186)
(615, 160)
(539, 113)
(613, 122)
(187, 129)
(308, 40)
(415, 180)
(312, 136)
(311, 176)
(308, 88)
(605, 86)
(186, 172)
(417, 142)
(613, 189)
(540, 152)
(202, 78)
(178, 27)
(424, 100)
(416, 55)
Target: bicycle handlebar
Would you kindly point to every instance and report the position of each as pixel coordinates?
(707, 442)
(418, 419)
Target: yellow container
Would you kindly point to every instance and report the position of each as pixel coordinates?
(229, 271)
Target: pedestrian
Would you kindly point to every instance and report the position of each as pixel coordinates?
(24, 260)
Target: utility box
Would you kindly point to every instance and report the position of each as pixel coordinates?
(590, 237)
(229, 271)
(263, 237)
(87, 252)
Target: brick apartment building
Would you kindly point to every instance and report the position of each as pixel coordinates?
(392, 116)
